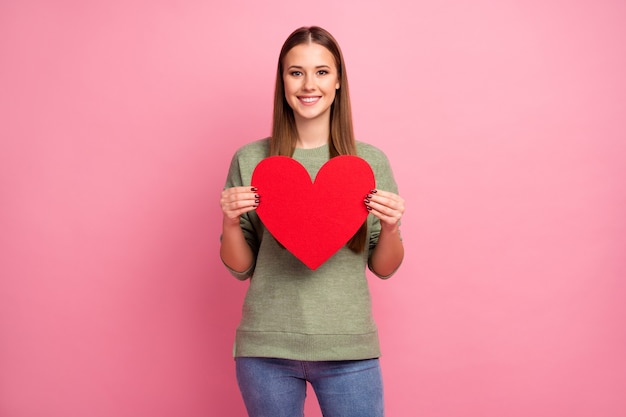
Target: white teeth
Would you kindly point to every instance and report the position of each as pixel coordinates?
(309, 99)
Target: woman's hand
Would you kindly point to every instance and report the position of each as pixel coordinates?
(236, 201)
(387, 206)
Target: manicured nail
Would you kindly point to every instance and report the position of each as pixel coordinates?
(255, 206)
(369, 196)
(257, 196)
(373, 191)
(369, 208)
(253, 189)
(256, 201)
(366, 201)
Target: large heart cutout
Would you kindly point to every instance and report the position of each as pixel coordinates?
(313, 220)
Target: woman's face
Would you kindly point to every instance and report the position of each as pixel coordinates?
(311, 80)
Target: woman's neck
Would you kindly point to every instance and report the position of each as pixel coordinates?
(312, 133)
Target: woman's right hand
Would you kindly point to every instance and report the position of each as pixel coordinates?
(236, 201)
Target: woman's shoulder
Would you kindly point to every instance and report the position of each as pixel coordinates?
(379, 162)
(371, 153)
(257, 149)
(244, 160)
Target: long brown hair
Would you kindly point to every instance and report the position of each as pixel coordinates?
(284, 131)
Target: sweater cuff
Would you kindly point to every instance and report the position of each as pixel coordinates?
(243, 275)
(369, 266)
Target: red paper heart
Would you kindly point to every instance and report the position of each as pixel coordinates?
(313, 220)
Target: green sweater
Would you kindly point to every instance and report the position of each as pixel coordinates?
(291, 311)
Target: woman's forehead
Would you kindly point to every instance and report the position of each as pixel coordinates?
(309, 54)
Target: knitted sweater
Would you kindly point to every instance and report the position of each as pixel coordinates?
(291, 311)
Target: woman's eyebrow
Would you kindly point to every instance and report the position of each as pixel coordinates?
(301, 67)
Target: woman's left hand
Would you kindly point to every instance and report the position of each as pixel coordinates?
(387, 206)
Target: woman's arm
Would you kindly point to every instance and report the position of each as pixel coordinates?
(234, 249)
(389, 251)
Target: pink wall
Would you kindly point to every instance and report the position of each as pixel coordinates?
(504, 121)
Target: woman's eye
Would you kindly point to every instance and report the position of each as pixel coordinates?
(296, 73)
(322, 72)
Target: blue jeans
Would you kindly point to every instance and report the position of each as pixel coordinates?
(277, 387)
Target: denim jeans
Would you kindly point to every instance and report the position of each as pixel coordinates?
(277, 387)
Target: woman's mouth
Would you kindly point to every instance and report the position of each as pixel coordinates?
(309, 100)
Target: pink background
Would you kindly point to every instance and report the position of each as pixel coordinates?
(504, 121)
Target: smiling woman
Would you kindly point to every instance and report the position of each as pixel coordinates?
(300, 324)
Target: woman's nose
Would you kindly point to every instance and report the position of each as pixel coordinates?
(309, 82)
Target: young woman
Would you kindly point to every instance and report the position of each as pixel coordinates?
(299, 324)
